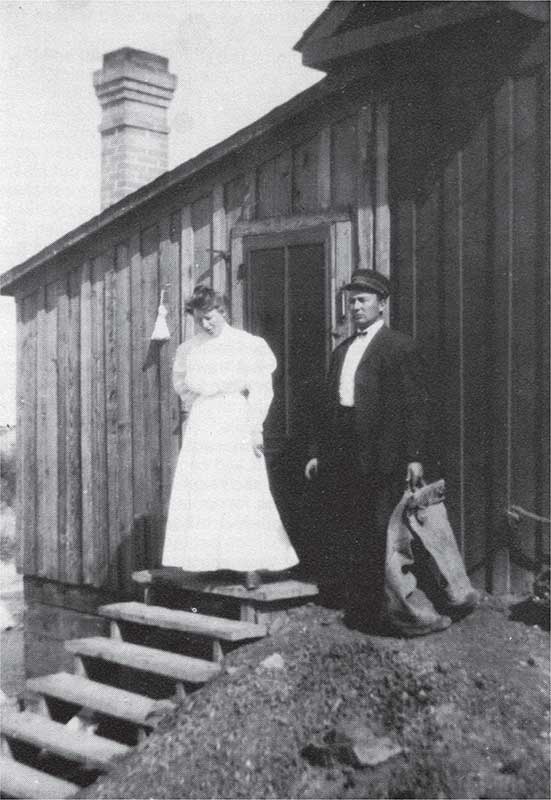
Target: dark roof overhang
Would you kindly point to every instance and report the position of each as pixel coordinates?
(334, 37)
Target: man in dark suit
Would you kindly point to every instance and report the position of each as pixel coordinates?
(370, 445)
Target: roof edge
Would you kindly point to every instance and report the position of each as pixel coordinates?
(327, 22)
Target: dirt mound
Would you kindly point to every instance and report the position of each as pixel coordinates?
(467, 708)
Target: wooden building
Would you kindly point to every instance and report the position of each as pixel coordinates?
(423, 154)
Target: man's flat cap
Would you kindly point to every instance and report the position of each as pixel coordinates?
(369, 281)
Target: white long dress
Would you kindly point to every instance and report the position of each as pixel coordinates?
(222, 514)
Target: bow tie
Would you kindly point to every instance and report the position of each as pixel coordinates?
(361, 333)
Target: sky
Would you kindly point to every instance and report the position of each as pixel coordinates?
(234, 61)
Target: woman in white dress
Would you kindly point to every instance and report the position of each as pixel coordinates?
(222, 515)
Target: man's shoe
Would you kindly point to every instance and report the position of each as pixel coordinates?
(460, 610)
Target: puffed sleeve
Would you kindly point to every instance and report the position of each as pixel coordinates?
(179, 377)
(259, 383)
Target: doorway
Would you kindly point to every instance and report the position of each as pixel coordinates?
(286, 302)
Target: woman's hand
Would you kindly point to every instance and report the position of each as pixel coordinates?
(258, 443)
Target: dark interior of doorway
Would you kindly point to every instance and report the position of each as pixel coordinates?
(287, 306)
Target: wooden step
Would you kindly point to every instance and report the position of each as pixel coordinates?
(269, 592)
(94, 752)
(18, 780)
(99, 697)
(228, 630)
(147, 659)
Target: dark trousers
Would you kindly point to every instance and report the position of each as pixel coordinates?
(357, 509)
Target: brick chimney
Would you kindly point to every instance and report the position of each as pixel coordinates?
(134, 89)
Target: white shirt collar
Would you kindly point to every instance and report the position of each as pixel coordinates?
(372, 329)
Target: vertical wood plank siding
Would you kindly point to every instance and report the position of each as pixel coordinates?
(62, 345)
(201, 221)
(234, 199)
(138, 409)
(27, 405)
(446, 187)
(219, 267)
(41, 413)
(100, 566)
(502, 272)
(150, 385)
(449, 393)
(306, 176)
(543, 290)
(526, 416)
(169, 268)
(475, 334)
(71, 558)
(89, 555)
(283, 187)
(68, 446)
(112, 418)
(364, 187)
(123, 461)
(21, 332)
(466, 228)
(266, 181)
(342, 257)
(186, 271)
(382, 211)
(345, 158)
(274, 187)
(47, 433)
(324, 169)
(250, 198)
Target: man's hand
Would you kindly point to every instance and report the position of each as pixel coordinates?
(414, 475)
(311, 469)
(257, 441)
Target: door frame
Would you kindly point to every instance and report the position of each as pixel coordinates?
(319, 235)
(340, 257)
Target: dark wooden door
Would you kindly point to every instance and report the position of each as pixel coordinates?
(287, 305)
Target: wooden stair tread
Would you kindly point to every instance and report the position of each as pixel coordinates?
(271, 592)
(184, 621)
(148, 659)
(88, 749)
(99, 697)
(19, 780)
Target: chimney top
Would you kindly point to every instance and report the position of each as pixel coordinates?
(141, 58)
(134, 89)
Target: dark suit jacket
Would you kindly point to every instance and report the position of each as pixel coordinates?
(391, 404)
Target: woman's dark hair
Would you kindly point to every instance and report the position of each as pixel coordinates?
(204, 299)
